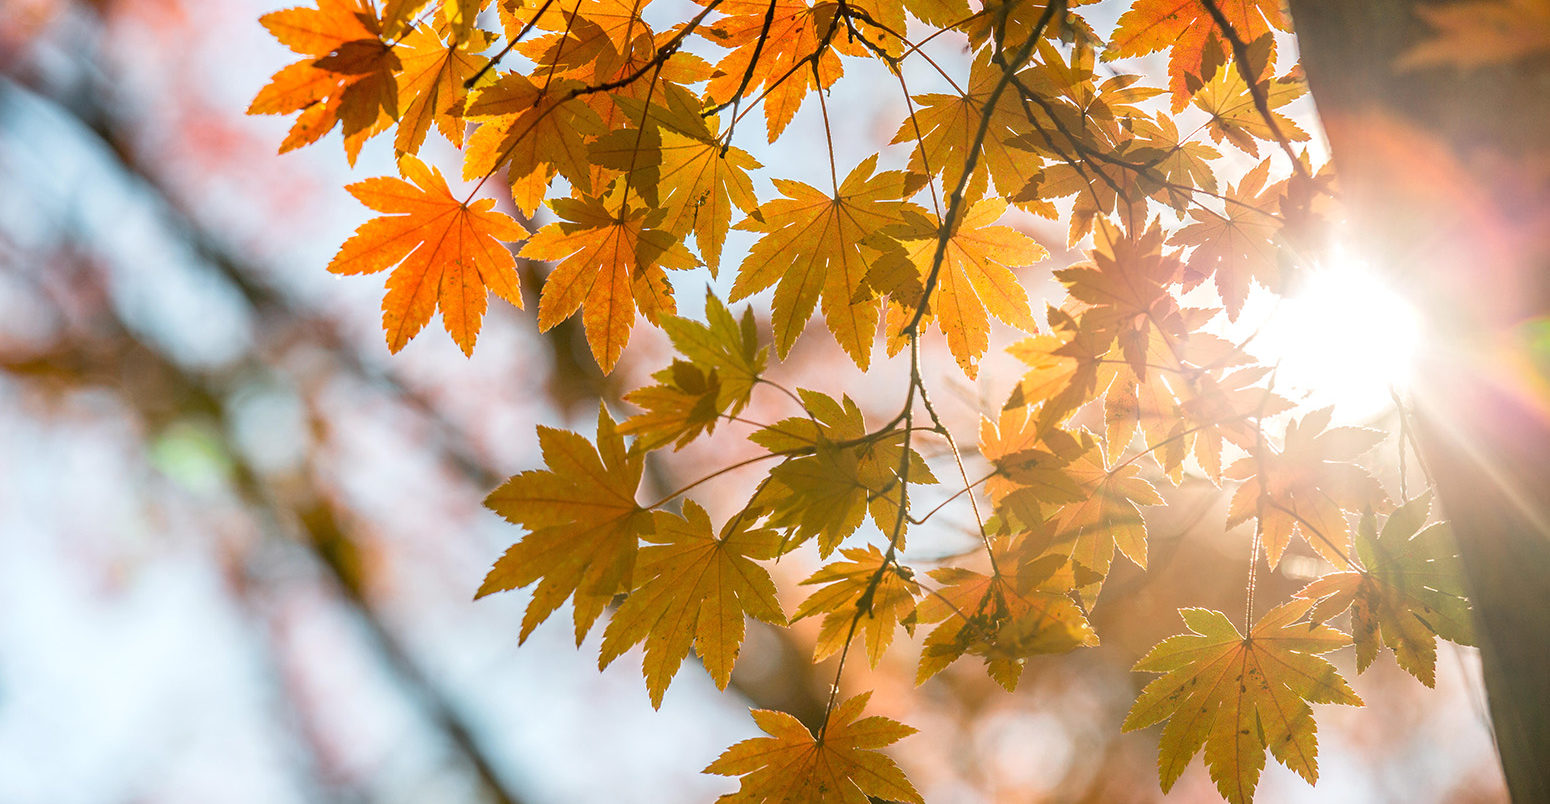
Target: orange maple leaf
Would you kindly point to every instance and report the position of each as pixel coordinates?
(534, 131)
(1187, 28)
(610, 263)
(842, 764)
(448, 254)
(795, 32)
(430, 89)
(348, 74)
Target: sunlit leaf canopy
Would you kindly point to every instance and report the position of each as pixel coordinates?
(616, 153)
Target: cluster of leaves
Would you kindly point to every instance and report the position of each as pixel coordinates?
(627, 135)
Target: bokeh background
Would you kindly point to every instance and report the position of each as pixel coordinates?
(239, 541)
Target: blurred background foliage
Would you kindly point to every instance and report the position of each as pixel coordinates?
(238, 543)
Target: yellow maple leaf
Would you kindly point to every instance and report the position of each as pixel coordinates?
(448, 254)
(976, 278)
(817, 245)
(1240, 695)
(845, 584)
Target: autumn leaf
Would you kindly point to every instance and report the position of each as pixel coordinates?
(1305, 487)
(975, 278)
(1237, 246)
(1126, 287)
(783, 47)
(1187, 29)
(1107, 516)
(814, 244)
(448, 254)
(1235, 115)
(348, 74)
(1030, 482)
(943, 129)
(837, 472)
(842, 764)
(1408, 590)
(1005, 617)
(583, 524)
(694, 588)
(682, 167)
(533, 131)
(1238, 696)
(849, 610)
(609, 263)
(724, 362)
(430, 88)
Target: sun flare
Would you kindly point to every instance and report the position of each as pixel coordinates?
(1346, 338)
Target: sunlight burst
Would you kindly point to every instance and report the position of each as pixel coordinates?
(1345, 338)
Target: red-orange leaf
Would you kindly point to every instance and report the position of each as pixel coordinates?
(448, 254)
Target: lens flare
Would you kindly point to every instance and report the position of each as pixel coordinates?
(1345, 338)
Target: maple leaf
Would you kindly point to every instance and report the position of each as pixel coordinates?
(1106, 517)
(1063, 366)
(1237, 246)
(1126, 285)
(694, 588)
(609, 262)
(1225, 409)
(814, 245)
(795, 34)
(448, 253)
(584, 526)
(725, 362)
(849, 611)
(430, 88)
(1187, 28)
(944, 126)
(1303, 488)
(681, 167)
(1239, 695)
(1408, 590)
(534, 132)
(347, 75)
(1235, 114)
(1005, 617)
(975, 278)
(837, 473)
(1030, 458)
(842, 763)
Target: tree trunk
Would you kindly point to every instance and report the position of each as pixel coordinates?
(1446, 173)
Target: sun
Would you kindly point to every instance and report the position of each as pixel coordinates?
(1344, 337)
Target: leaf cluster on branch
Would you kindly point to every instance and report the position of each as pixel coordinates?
(629, 136)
